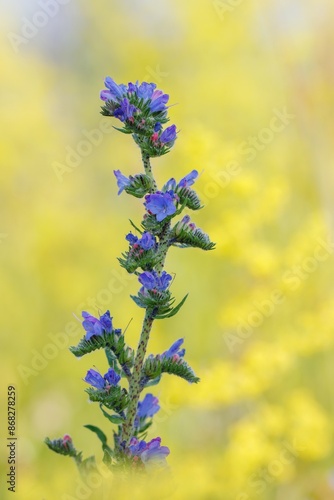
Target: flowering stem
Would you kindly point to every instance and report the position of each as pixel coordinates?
(134, 384)
(163, 247)
(148, 169)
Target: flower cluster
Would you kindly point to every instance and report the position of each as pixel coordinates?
(94, 326)
(161, 204)
(174, 351)
(142, 108)
(153, 281)
(148, 452)
(146, 242)
(94, 378)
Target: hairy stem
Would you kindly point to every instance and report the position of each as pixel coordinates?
(148, 169)
(163, 247)
(134, 385)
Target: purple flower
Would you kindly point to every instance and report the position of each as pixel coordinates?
(164, 281)
(133, 87)
(148, 280)
(125, 110)
(154, 451)
(188, 180)
(94, 326)
(160, 204)
(137, 447)
(145, 90)
(95, 379)
(174, 350)
(152, 281)
(158, 101)
(168, 135)
(157, 127)
(122, 181)
(149, 452)
(148, 407)
(106, 95)
(131, 238)
(170, 185)
(185, 219)
(111, 377)
(147, 241)
(117, 91)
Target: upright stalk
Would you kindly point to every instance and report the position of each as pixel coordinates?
(148, 169)
(134, 385)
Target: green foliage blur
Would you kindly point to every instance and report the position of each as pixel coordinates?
(252, 83)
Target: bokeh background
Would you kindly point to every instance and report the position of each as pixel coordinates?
(252, 83)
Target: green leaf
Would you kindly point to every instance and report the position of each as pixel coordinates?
(124, 131)
(154, 381)
(135, 227)
(100, 434)
(174, 311)
(115, 419)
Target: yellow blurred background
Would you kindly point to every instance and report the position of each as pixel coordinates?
(252, 83)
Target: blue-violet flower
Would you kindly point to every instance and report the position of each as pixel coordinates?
(160, 204)
(152, 281)
(125, 110)
(188, 180)
(94, 326)
(148, 407)
(168, 135)
(174, 350)
(122, 181)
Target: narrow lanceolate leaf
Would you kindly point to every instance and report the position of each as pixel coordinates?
(114, 419)
(115, 398)
(183, 236)
(154, 367)
(173, 311)
(100, 434)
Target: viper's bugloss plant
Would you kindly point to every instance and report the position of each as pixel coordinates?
(142, 110)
